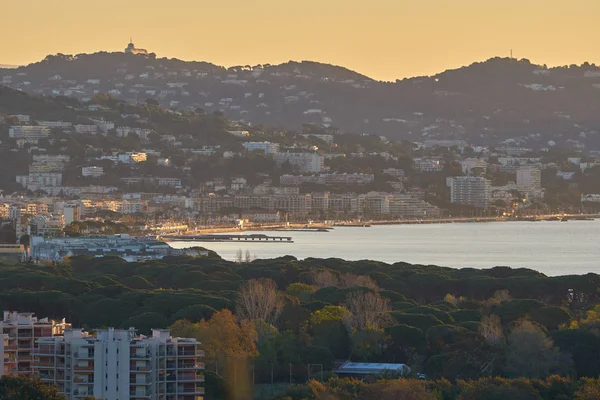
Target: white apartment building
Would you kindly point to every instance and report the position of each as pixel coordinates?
(171, 182)
(328, 179)
(470, 190)
(36, 180)
(395, 172)
(18, 334)
(303, 162)
(529, 181)
(374, 203)
(29, 132)
(56, 124)
(72, 213)
(119, 365)
(407, 206)
(265, 147)
(133, 206)
(86, 129)
(93, 172)
(427, 165)
(48, 163)
(469, 164)
(105, 126)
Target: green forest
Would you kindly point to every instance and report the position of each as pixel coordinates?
(279, 327)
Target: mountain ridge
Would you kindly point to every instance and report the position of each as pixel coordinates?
(485, 102)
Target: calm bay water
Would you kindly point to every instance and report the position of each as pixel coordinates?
(553, 248)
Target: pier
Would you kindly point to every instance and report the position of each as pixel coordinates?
(256, 238)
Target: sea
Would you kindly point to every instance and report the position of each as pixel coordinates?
(550, 247)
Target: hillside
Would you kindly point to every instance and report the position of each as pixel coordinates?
(484, 103)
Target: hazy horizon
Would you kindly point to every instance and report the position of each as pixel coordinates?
(385, 40)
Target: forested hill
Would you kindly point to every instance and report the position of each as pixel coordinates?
(484, 103)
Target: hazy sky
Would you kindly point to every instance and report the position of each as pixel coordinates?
(385, 39)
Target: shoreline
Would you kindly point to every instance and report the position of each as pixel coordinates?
(320, 226)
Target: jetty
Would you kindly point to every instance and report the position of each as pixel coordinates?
(252, 238)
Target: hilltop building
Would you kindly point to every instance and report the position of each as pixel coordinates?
(131, 49)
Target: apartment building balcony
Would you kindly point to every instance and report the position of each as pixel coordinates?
(190, 390)
(44, 364)
(44, 351)
(10, 348)
(190, 366)
(83, 355)
(25, 357)
(187, 354)
(140, 356)
(140, 370)
(84, 368)
(140, 382)
(82, 393)
(140, 394)
(187, 378)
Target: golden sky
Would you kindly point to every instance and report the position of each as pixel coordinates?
(385, 39)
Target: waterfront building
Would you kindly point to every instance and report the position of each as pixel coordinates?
(124, 246)
(529, 181)
(407, 206)
(117, 364)
(470, 190)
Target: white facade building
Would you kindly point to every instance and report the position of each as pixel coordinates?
(265, 147)
(470, 190)
(427, 165)
(27, 132)
(529, 181)
(94, 172)
(86, 129)
(469, 164)
(303, 162)
(119, 365)
(36, 180)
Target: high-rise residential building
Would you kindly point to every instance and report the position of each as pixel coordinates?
(119, 365)
(9, 364)
(529, 180)
(21, 331)
(470, 190)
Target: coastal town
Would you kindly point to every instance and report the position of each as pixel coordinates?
(407, 209)
(131, 173)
